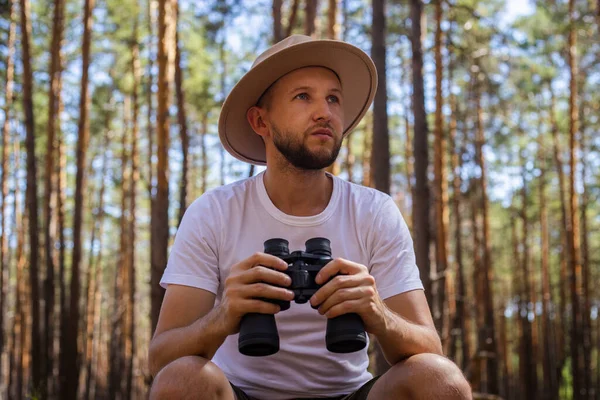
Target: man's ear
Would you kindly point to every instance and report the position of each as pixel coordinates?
(255, 119)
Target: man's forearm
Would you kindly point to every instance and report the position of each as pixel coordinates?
(202, 338)
(402, 339)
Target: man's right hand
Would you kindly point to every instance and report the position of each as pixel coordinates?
(258, 276)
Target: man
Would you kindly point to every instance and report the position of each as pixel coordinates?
(290, 112)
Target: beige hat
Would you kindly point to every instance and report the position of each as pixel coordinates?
(354, 67)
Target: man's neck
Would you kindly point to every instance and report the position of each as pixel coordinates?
(297, 192)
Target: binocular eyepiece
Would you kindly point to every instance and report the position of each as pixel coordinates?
(258, 332)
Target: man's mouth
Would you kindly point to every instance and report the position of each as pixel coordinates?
(322, 132)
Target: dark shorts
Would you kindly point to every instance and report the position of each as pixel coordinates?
(360, 394)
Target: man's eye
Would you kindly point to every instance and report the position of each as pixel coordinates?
(302, 96)
(334, 99)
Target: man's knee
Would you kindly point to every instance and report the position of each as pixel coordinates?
(425, 375)
(190, 378)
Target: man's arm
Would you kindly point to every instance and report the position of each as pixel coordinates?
(185, 316)
(402, 323)
(408, 328)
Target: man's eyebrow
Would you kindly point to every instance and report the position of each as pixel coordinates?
(310, 88)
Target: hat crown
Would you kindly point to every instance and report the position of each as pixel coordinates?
(283, 44)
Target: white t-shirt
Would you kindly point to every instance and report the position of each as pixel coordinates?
(230, 223)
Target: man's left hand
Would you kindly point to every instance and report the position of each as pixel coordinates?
(353, 290)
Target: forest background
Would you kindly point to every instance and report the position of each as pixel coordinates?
(485, 130)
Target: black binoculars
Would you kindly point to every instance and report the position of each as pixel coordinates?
(258, 332)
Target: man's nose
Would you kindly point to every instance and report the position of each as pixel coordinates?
(322, 110)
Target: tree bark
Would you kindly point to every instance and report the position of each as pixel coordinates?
(380, 152)
(440, 183)
(549, 357)
(310, 15)
(31, 200)
(332, 25)
(487, 331)
(292, 18)
(366, 156)
(421, 152)
(160, 215)
(53, 125)
(71, 368)
(4, 264)
(182, 120)
(527, 353)
(277, 28)
(132, 223)
(573, 234)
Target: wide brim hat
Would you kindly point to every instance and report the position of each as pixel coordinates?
(353, 66)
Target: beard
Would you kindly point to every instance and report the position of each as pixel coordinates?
(295, 151)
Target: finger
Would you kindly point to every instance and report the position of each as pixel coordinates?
(346, 307)
(267, 260)
(338, 266)
(342, 295)
(263, 274)
(258, 306)
(264, 290)
(340, 282)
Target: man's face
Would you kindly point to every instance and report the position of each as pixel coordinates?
(305, 117)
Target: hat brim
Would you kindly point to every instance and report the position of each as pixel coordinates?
(354, 67)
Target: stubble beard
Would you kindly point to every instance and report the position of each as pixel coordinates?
(296, 152)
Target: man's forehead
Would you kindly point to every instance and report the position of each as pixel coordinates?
(301, 77)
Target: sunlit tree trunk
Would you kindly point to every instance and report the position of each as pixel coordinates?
(69, 389)
(380, 150)
(130, 339)
(52, 125)
(31, 200)
(160, 213)
(440, 184)
(182, 120)
(366, 156)
(4, 265)
(573, 234)
(94, 266)
(421, 151)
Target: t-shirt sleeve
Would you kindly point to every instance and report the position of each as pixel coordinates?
(393, 263)
(193, 260)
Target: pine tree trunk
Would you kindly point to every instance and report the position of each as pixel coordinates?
(565, 254)
(461, 297)
(527, 347)
(440, 184)
(160, 214)
(277, 28)
(421, 152)
(310, 15)
(292, 18)
(549, 357)
(487, 333)
(94, 269)
(52, 125)
(380, 151)
(585, 256)
(149, 109)
(32, 202)
(4, 264)
(64, 307)
(71, 368)
(573, 234)
(133, 182)
(183, 132)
